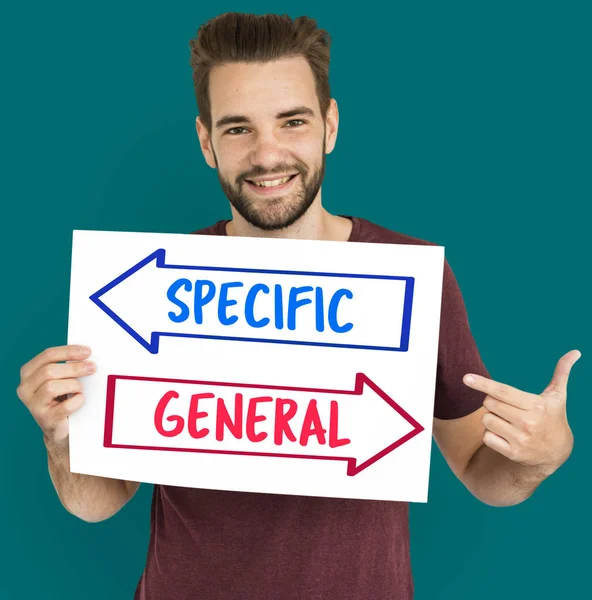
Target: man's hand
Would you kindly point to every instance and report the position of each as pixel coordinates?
(52, 391)
(529, 429)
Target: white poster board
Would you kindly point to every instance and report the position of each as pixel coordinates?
(262, 365)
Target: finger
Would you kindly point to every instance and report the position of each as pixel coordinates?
(56, 420)
(509, 413)
(68, 407)
(499, 391)
(49, 392)
(500, 427)
(55, 354)
(497, 443)
(70, 370)
(558, 384)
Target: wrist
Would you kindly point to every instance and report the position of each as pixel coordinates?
(55, 445)
(563, 453)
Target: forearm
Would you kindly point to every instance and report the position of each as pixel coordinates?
(88, 497)
(499, 481)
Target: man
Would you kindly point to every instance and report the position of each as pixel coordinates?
(266, 122)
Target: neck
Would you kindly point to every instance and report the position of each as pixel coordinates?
(316, 224)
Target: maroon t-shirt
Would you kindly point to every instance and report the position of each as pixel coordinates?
(221, 545)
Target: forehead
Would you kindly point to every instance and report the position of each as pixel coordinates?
(262, 88)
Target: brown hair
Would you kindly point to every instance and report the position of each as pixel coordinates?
(242, 37)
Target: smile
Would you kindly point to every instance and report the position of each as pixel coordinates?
(272, 186)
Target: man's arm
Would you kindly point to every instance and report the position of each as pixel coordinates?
(504, 450)
(89, 497)
(52, 391)
(489, 476)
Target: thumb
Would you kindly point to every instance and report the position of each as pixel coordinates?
(558, 384)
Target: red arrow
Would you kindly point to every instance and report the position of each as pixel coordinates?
(134, 393)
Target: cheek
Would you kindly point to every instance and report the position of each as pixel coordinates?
(307, 150)
(230, 151)
(307, 141)
(231, 164)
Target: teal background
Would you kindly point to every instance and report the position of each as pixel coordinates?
(464, 123)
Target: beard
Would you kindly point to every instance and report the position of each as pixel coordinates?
(269, 213)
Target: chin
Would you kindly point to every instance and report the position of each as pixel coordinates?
(271, 214)
(273, 220)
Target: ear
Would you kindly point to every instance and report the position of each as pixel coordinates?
(331, 126)
(205, 142)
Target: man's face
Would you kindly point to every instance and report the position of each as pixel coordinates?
(268, 139)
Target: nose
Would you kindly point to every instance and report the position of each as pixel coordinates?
(267, 151)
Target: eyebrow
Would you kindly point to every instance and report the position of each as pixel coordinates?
(234, 119)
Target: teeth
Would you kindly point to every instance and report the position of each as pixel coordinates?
(273, 183)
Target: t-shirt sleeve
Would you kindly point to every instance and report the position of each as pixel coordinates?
(457, 355)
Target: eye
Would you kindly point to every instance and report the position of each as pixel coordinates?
(229, 131)
(295, 121)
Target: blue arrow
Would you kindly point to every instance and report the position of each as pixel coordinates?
(152, 344)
